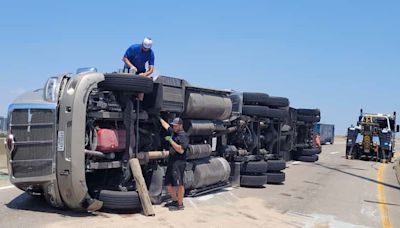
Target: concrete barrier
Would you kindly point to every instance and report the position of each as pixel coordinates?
(3, 159)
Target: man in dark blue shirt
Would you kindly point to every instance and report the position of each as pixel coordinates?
(137, 55)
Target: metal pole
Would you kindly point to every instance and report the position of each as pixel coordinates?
(137, 127)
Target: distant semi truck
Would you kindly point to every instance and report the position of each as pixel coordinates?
(326, 132)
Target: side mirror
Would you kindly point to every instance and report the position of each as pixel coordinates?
(397, 128)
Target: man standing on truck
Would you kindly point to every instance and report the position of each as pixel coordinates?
(179, 142)
(136, 57)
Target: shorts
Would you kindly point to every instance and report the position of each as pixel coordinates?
(175, 172)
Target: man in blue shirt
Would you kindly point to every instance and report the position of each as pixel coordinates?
(137, 55)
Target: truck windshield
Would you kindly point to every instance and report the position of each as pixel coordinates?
(383, 122)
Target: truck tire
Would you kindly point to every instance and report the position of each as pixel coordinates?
(309, 112)
(127, 83)
(117, 200)
(276, 165)
(253, 181)
(253, 167)
(262, 111)
(275, 178)
(307, 152)
(302, 145)
(254, 110)
(277, 113)
(309, 119)
(312, 158)
(254, 98)
(277, 102)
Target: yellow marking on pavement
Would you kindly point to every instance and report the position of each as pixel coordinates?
(381, 199)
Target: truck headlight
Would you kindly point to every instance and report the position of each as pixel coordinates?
(51, 89)
(10, 143)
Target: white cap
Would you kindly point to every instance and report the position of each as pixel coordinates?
(147, 42)
(176, 121)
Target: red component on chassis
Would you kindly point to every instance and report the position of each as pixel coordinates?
(110, 140)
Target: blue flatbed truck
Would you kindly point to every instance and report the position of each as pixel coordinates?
(326, 132)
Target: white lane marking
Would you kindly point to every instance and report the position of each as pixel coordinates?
(234, 196)
(204, 198)
(370, 211)
(321, 220)
(295, 163)
(191, 203)
(335, 152)
(7, 187)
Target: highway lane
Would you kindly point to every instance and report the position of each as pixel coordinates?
(337, 192)
(333, 192)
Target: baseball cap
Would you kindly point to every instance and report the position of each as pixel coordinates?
(147, 42)
(176, 121)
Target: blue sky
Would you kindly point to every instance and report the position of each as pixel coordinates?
(339, 56)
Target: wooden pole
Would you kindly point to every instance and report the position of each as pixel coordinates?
(141, 187)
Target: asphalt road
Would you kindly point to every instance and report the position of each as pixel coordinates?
(336, 191)
(333, 192)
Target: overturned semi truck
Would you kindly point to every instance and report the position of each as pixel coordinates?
(304, 144)
(71, 140)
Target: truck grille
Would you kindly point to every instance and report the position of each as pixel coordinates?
(34, 134)
(385, 140)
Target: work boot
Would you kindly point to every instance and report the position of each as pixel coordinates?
(177, 207)
(171, 204)
(94, 205)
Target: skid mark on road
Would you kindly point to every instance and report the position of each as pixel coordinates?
(381, 199)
